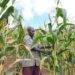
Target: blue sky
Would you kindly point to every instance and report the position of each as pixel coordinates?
(37, 20)
(35, 12)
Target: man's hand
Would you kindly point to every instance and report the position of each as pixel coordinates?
(47, 52)
(43, 47)
(36, 59)
(40, 47)
(42, 51)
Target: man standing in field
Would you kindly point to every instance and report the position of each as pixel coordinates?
(31, 66)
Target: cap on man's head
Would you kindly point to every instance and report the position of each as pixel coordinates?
(30, 28)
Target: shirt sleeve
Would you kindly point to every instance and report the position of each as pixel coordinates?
(27, 41)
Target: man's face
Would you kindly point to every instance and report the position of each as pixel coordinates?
(31, 32)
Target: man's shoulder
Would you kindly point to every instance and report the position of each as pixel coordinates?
(27, 37)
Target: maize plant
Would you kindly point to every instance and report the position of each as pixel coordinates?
(60, 59)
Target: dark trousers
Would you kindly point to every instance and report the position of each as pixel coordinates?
(34, 70)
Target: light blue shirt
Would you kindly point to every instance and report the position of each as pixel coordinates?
(28, 41)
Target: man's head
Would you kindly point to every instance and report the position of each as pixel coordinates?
(31, 31)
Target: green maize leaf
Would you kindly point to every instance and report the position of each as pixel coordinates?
(43, 59)
(70, 57)
(72, 39)
(50, 27)
(20, 33)
(60, 70)
(49, 66)
(50, 39)
(36, 39)
(55, 60)
(2, 53)
(70, 24)
(1, 40)
(58, 2)
(55, 35)
(69, 35)
(2, 43)
(43, 31)
(62, 51)
(61, 28)
(9, 49)
(61, 13)
(4, 3)
(7, 13)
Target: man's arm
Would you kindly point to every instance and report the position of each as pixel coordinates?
(43, 47)
(40, 49)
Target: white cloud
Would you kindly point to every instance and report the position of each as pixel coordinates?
(29, 7)
(69, 5)
(25, 7)
(43, 6)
